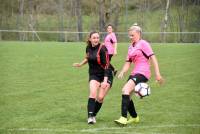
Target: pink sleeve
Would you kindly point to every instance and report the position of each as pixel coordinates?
(146, 48)
(113, 37)
(128, 57)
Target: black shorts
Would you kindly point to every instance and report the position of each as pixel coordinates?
(137, 78)
(100, 78)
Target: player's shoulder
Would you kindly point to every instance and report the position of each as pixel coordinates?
(103, 47)
(87, 47)
(113, 34)
(144, 41)
(130, 46)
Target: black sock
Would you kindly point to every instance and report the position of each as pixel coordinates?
(112, 68)
(97, 107)
(131, 109)
(90, 106)
(124, 107)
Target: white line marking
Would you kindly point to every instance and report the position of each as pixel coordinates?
(104, 129)
(153, 126)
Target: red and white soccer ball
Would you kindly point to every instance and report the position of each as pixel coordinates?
(142, 90)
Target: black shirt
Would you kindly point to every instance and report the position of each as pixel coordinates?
(94, 67)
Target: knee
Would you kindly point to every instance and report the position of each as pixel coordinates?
(92, 95)
(125, 91)
(100, 99)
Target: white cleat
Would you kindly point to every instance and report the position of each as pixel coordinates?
(94, 119)
(90, 120)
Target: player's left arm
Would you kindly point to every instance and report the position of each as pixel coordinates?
(154, 61)
(114, 42)
(115, 48)
(106, 62)
(148, 53)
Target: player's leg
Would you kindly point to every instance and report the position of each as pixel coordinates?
(137, 78)
(133, 114)
(131, 108)
(101, 95)
(126, 91)
(94, 85)
(111, 66)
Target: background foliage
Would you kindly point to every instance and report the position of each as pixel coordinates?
(86, 15)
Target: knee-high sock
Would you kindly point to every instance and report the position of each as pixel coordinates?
(97, 107)
(90, 106)
(131, 109)
(124, 106)
(112, 67)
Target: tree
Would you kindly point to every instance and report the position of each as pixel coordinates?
(101, 6)
(165, 21)
(116, 11)
(31, 19)
(20, 19)
(79, 19)
(61, 20)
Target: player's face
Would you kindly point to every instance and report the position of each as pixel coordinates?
(134, 36)
(109, 29)
(94, 39)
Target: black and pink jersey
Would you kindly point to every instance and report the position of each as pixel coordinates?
(94, 67)
(139, 54)
(109, 40)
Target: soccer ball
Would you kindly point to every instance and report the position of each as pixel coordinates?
(142, 90)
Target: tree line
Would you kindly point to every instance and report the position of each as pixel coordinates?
(86, 15)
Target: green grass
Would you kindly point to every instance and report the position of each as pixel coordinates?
(42, 93)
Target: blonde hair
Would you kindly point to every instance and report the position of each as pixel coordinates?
(136, 28)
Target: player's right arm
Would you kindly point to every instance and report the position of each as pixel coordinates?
(83, 62)
(124, 69)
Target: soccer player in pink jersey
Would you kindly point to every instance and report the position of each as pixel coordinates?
(110, 42)
(140, 54)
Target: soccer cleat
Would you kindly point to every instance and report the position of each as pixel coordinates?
(90, 120)
(94, 119)
(122, 121)
(115, 72)
(133, 120)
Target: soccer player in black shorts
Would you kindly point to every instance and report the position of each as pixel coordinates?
(100, 75)
(140, 54)
(110, 42)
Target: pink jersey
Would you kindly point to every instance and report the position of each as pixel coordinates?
(109, 40)
(139, 54)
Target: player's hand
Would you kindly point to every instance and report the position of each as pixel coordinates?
(121, 75)
(115, 53)
(76, 65)
(104, 85)
(159, 79)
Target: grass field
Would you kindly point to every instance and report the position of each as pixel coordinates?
(41, 93)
